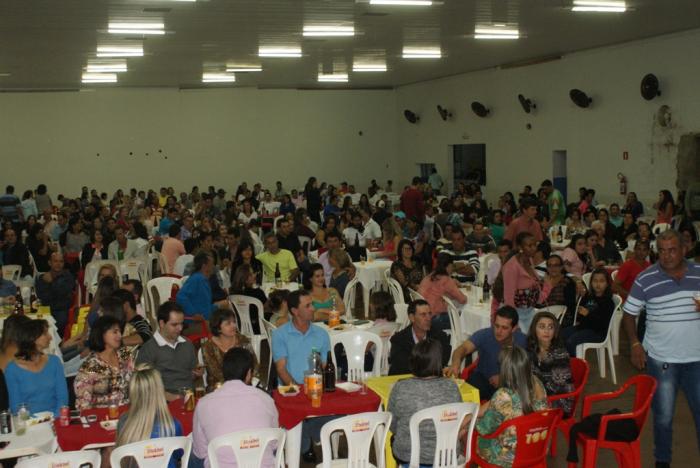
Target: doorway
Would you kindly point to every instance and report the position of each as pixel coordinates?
(469, 164)
(559, 172)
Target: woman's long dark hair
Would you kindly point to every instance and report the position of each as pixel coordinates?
(443, 261)
(532, 343)
(667, 198)
(27, 334)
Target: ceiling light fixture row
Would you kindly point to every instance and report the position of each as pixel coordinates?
(599, 6)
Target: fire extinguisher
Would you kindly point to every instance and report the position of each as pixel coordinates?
(623, 183)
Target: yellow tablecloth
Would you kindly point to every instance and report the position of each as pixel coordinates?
(382, 386)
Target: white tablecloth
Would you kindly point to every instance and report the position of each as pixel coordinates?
(38, 440)
(475, 316)
(345, 327)
(269, 287)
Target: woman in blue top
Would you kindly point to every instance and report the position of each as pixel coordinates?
(148, 416)
(33, 377)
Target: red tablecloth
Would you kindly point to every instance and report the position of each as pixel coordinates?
(75, 436)
(294, 409)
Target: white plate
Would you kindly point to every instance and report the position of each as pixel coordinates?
(109, 425)
(348, 386)
(41, 417)
(285, 390)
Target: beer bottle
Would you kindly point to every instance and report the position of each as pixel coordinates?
(329, 375)
(278, 275)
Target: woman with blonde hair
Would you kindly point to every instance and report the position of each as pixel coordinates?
(148, 416)
(339, 260)
(391, 236)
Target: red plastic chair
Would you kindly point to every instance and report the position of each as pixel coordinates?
(579, 374)
(467, 371)
(626, 453)
(204, 326)
(534, 432)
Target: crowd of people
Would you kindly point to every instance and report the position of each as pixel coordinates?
(542, 253)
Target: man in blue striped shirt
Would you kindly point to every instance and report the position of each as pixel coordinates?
(671, 348)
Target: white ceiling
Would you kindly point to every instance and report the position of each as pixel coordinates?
(44, 44)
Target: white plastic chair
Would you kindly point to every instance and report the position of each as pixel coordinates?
(77, 459)
(402, 315)
(613, 275)
(305, 243)
(268, 328)
(659, 228)
(604, 346)
(158, 292)
(181, 263)
(133, 269)
(484, 262)
(360, 429)
(274, 223)
(249, 447)
(241, 304)
(586, 278)
(355, 343)
(349, 297)
(385, 331)
(447, 420)
(91, 270)
(395, 290)
(200, 361)
(616, 322)
(557, 310)
(153, 453)
(11, 272)
(415, 295)
(457, 337)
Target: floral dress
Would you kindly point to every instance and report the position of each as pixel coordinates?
(554, 370)
(505, 405)
(214, 360)
(99, 385)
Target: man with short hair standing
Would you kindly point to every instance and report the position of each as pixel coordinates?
(170, 353)
(489, 342)
(671, 348)
(412, 200)
(55, 289)
(526, 222)
(555, 200)
(215, 415)
(420, 329)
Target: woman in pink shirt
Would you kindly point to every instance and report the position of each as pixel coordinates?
(521, 285)
(437, 284)
(575, 256)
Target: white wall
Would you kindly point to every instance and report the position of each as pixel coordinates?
(595, 138)
(218, 137)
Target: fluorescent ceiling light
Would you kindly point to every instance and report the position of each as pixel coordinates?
(243, 68)
(369, 67)
(99, 78)
(599, 6)
(136, 28)
(402, 2)
(279, 52)
(218, 78)
(413, 52)
(495, 32)
(333, 78)
(116, 66)
(120, 51)
(329, 31)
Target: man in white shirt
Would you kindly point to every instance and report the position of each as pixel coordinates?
(121, 248)
(372, 229)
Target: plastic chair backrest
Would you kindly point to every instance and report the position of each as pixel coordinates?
(355, 344)
(133, 269)
(586, 278)
(349, 297)
(534, 431)
(415, 295)
(200, 361)
(579, 376)
(455, 322)
(274, 223)
(92, 268)
(484, 262)
(181, 263)
(360, 430)
(249, 447)
(646, 386)
(242, 305)
(447, 420)
(159, 290)
(613, 275)
(77, 459)
(659, 228)
(395, 290)
(402, 314)
(385, 331)
(11, 272)
(153, 453)
(305, 243)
